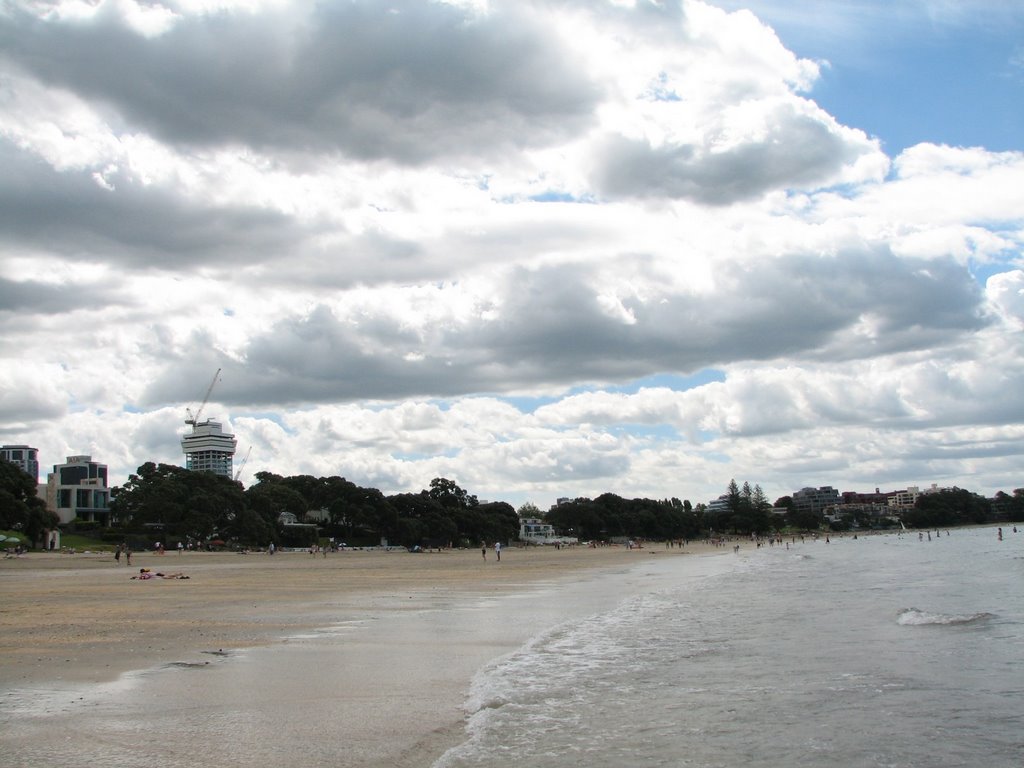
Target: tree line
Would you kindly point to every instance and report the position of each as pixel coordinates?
(170, 503)
(203, 507)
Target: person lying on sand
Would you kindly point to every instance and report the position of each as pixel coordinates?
(146, 573)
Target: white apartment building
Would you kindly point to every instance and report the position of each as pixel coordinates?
(78, 489)
(905, 498)
(535, 530)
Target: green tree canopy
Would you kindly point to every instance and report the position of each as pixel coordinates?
(20, 508)
(181, 504)
(448, 494)
(944, 508)
(529, 510)
(610, 515)
(422, 520)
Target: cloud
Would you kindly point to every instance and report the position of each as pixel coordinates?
(550, 328)
(475, 240)
(128, 223)
(406, 81)
(791, 148)
(1006, 292)
(29, 394)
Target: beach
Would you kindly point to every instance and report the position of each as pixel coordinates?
(385, 642)
(860, 651)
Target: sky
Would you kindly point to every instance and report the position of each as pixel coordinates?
(544, 248)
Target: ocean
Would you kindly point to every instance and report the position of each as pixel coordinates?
(888, 650)
(883, 650)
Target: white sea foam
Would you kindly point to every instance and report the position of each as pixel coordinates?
(914, 617)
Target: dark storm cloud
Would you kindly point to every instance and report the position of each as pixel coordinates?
(71, 215)
(405, 80)
(552, 330)
(800, 151)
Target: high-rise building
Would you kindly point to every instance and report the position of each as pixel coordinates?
(209, 449)
(78, 489)
(25, 457)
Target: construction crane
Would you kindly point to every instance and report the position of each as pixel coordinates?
(242, 465)
(194, 419)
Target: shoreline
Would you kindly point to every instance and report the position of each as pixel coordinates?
(385, 643)
(81, 618)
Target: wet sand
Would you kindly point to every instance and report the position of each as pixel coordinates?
(384, 644)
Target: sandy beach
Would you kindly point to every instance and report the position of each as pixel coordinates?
(388, 642)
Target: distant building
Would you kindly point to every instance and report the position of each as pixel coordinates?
(905, 498)
(322, 515)
(78, 489)
(209, 449)
(856, 497)
(865, 504)
(301, 534)
(535, 530)
(721, 504)
(850, 509)
(815, 500)
(25, 457)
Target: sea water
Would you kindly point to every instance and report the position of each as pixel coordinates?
(894, 650)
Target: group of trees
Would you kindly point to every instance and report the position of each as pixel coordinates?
(170, 503)
(747, 511)
(20, 508)
(610, 516)
(174, 503)
(1010, 507)
(959, 507)
(201, 506)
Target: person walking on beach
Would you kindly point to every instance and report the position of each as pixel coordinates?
(483, 549)
(497, 550)
(117, 554)
(127, 554)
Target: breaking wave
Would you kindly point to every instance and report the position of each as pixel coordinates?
(914, 617)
